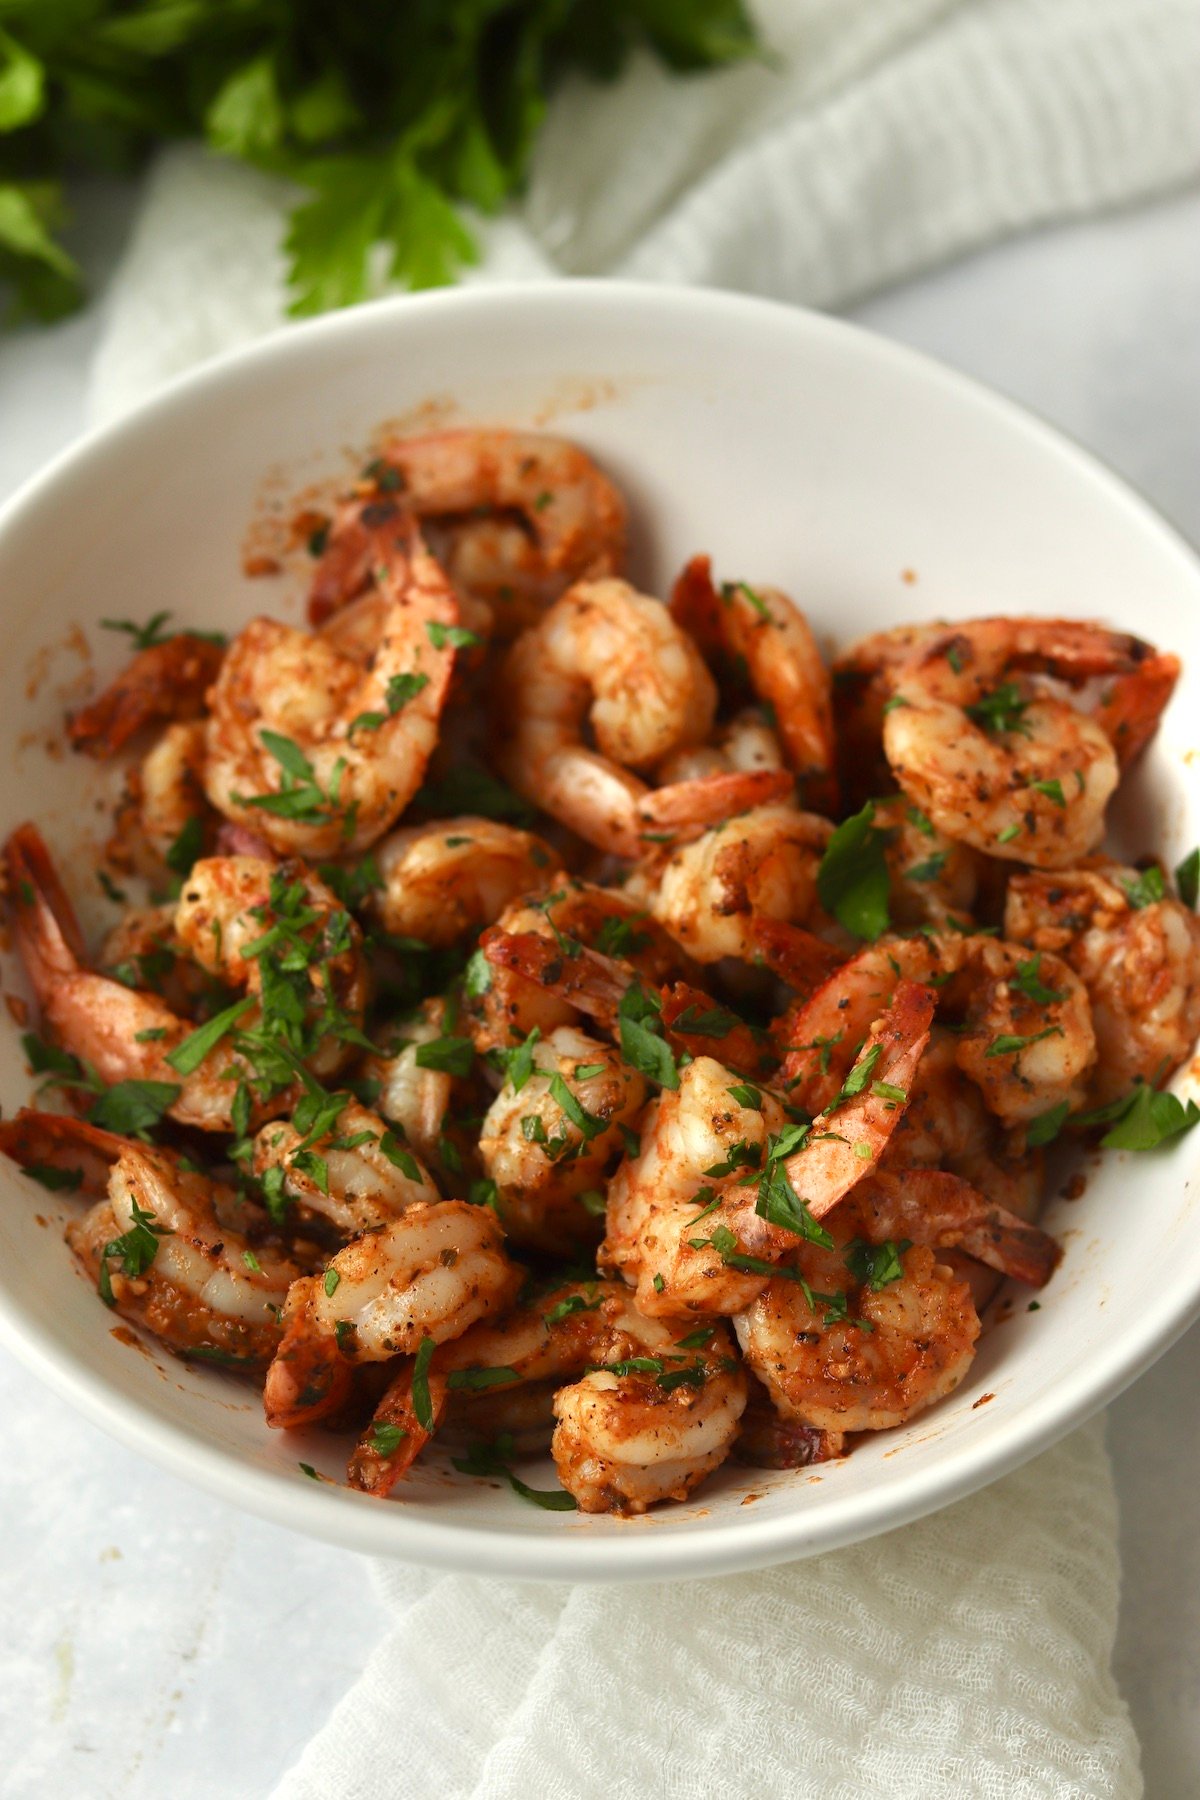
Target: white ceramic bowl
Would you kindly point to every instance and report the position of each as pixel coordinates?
(874, 486)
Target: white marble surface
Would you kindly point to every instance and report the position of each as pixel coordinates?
(154, 1641)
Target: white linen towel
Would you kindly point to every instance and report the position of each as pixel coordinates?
(967, 1655)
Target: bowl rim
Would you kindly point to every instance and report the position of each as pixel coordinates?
(358, 1522)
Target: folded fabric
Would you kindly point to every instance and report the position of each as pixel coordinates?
(966, 1655)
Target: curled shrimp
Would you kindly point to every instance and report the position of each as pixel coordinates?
(164, 1254)
(709, 893)
(841, 1355)
(642, 1418)
(417, 1099)
(615, 657)
(504, 1005)
(697, 1218)
(123, 1033)
(930, 877)
(1026, 1040)
(549, 1144)
(81, 1154)
(431, 1273)
(446, 880)
(977, 740)
(314, 750)
(168, 680)
(768, 640)
(1137, 955)
(355, 1175)
(521, 515)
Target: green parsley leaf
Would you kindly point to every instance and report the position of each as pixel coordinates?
(145, 637)
(492, 1459)
(1027, 980)
(385, 1439)
(58, 1181)
(852, 879)
(930, 869)
(421, 1401)
(1007, 1044)
(452, 1055)
(1149, 887)
(188, 1056)
(1001, 711)
(1187, 878)
(746, 1096)
(584, 1122)
(132, 1107)
(642, 1045)
(572, 1303)
(474, 1381)
(456, 636)
(1046, 1126)
(876, 1265)
(1151, 1118)
(1052, 790)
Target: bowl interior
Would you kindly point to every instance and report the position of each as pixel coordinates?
(869, 484)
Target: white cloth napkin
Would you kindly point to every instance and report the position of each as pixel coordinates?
(967, 1655)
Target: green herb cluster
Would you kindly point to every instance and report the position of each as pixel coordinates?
(389, 118)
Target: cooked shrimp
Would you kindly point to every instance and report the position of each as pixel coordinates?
(769, 642)
(417, 1099)
(615, 657)
(645, 1419)
(549, 1144)
(170, 789)
(862, 687)
(1027, 1040)
(709, 893)
(996, 760)
(143, 950)
(521, 515)
(443, 881)
(429, 1274)
(842, 1355)
(596, 984)
(746, 742)
(312, 749)
(684, 1226)
(355, 1174)
(163, 1253)
(930, 877)
(168, 680)
(240, 915)
(943, 1212)
(504, 1005)
(1138, 957)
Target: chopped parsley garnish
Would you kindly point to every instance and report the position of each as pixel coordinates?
(299, 795)
(887, 1090)
(1003, 710)
(639, 1018)
(58, 1181)
(483, 1192)
(135, 1250)
(332, 1278)
(875, 1265)
(385, 1439)
(1149, 887)
(145, 637)
(589, 1071)
(518, 1064)
(859, 1075)
(852, 879)
(713, 1021)
(1008, 834)
(742, 1155)
(915, 816)
(132, 1107)
(477, 976)
(1146, 1118)
(1187, 878)
(1046, 1126)
(186, 848)
(187, 1057)
(1028, 981)
(109, 887)
(399, 1157)
(1007, 1044)
(1052, 789)
(746, 1096)
(492, 1459)
(452, 1055)
(930, 869)
(620, 937)
(421, 1402)
(456, 636)
(572, 1303)
(584, 1122)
